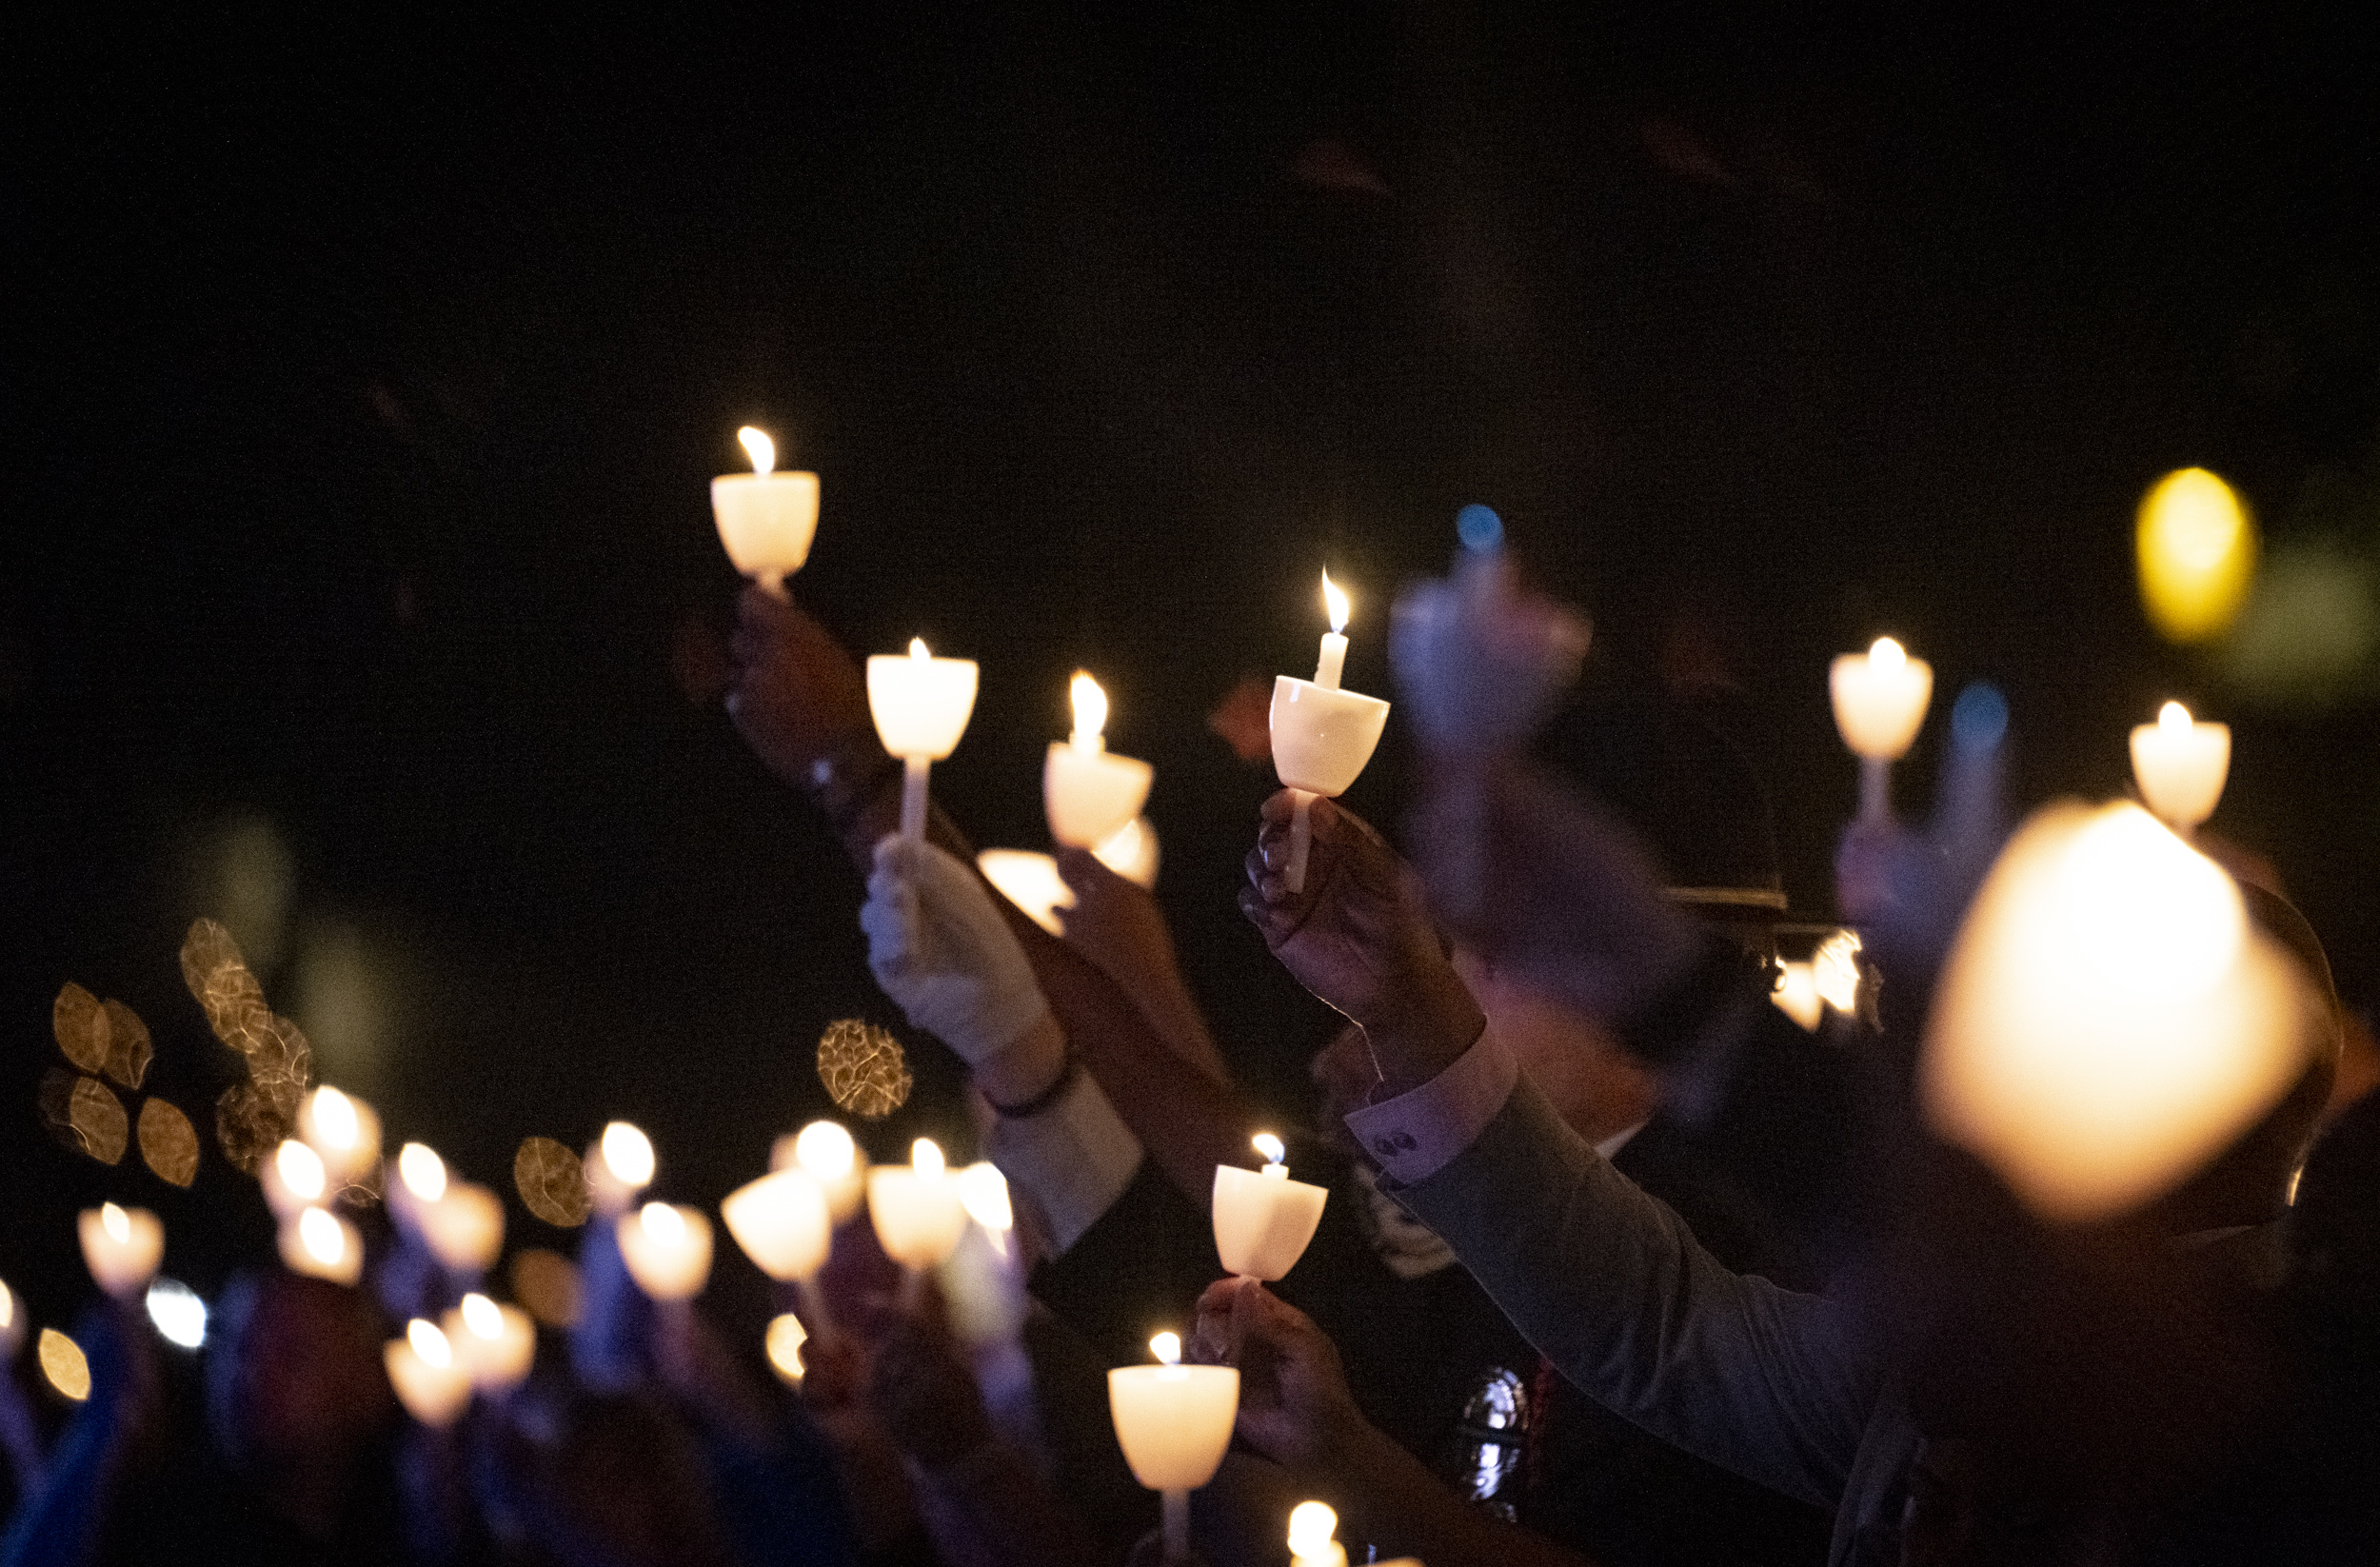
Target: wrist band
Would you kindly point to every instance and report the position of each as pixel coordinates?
(1043, 1100)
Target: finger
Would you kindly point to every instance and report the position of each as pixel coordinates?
(1083, 872)
(1279, 807)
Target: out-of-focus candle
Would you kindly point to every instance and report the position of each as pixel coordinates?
(464, 1229)
(1797, 995)
(1880, 699)
(343, 1130)
(920, 705)
(2197, 547)
(1173, 1422)
(667, 1249)
(292, 1178)
(319, 1244)
(1132, 852)
(619, 1166)
(122, 1247)
(1322, 737)
(915, 1208)
(1029, 880)
(783, 1341)
(494, 1344)
(2180, 765)
(421, 1367)
(767, 519)
(826, 1151)
(1090, 794)
(1834, 970)
(1263, 1221)
(781, 1223)
(1313, 1531)
(11, 1325)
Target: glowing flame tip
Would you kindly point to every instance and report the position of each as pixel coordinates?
(1167, 1348)
(1335, 600)
(763, 450)
(1271, 1148)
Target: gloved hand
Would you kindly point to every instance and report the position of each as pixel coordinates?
(939, 946)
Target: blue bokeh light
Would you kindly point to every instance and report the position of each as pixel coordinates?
(1479, 527)
(1979, 718)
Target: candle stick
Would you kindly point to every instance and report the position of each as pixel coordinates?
(122, 1247)
(1173, 1422)
(1322, 737)
(421, 1368)
(826, 1151)
(917, 1213)
(1880, 699)
(1264, 1222)
(2181, 766)
(495, 1345)
(765, 518)
(1313, 1528)
(667, 1249)
(1088, 793)
(920, 705)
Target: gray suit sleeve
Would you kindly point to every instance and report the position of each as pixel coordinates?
(1610, 1285)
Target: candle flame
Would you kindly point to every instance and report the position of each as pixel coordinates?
(430, 1343)
(983, 1192)
(917, 649)
(483, 1316)
(1884, 653)
(763, 450)
(423, 1172)
(925, 1157)
(299, 1169)
(662, 1223)
(319, 1233)
(785, 1341)
(2173, 716)
(1312, 1524)
(1167, 1348)
(825, 1150)
(334, 1118)
(116, 1223)
(1270, 1146)
(629, 1154)
(1335, 600)
(7, 1309)
(1090, 707)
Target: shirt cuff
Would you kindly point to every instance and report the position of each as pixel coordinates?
(1069, 1161)
(1419, 1132)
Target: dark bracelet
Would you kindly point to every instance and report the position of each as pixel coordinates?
(842, 785)
(1043, 1100)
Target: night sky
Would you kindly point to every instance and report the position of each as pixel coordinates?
(361, 392)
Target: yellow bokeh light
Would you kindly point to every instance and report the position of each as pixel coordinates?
(61, 1362)
(430, 1343)
(2197, 555)
(760, 447)
(926, 1156)
(785, 1341)
(423, 1172)
(1312, 1525)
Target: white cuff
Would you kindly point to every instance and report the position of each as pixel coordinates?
(1070, 1162)
(1419, 1132)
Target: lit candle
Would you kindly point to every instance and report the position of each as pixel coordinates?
(667, 1249)
(921, 704)
(464, 1229)
(1834, 970)
(2181, 766)
(343, 1131)
(782, 1223)
(319, 1244)
(1029, 880)
(1797, 995)
(122, 1247)
(495, 1345)
(1313, 1529)
(826, 1151)
(1880, 699)
(1132, 852)
(1173, 1422)
(421, 1178)
(421, 1368)
(1322, 737)
(619, 1166)
(292, 1178)
(784, 1343)
(1263, 1221)
(1089, 794)
(765, 518)
(11, 1327)
(916, 1211)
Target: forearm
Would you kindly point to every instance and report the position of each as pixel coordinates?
(1389, 1499)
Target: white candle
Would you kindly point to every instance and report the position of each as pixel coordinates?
(1132, 852)
(1173, 1422)
(915, 1208)
(464, 1229)
(1264, 1220)
(1322, 737)
(781, 1223)
(1313, 1528)
(1029, 880)
(343, 1130)
(667, 1249)
(1797, 995)
(765, 518)
(122, 1247)
(495, 1345)
(783, 1341)
(319, 1244)
(1332, 666)
(1089, 794)
(1880, 699)
(292, 1178)
(2181, 765)
(920, 705)
(826, 1151)
(421, 1368)
(619, 1166)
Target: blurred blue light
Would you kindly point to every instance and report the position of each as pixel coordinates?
(1979, 718)
(1479, 527)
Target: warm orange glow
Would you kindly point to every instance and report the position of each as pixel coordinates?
(926, 1156)
(1270, 1146)
(825, 1150)
(2196, 549)
(1031, 882)
(319, 1231)
(1313, 1529)
(983, 1192)
(918, 650)
(1880, 698)
(114, 1221)
(629, 1154)
(319, 1244)
(2173, 718)
(334, 1118)
(1334, 601)
(423, 1172)
(1167, 1348)
(1834, 970)
(763, 450)
(667, 1250)
(299, 1169)
(783, 1341)
(62, 1364)
(1090, 711)
(2181, 765)
(781, 1223)
(1797, 995)
(430, 1343)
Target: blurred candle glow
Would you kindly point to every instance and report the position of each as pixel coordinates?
(1263, 1221)
(1088, 794)
(767, 519)
(1132, 852)
(62, 1365)
(495, 1345)
(2196, 549)
(619, 1166)
(1173, 1422)
(1880, 698)
(983, 1192)
(122, 1247)
(915, 1208)
(465, 1229)
(12, 1324)
(319, 1244)
(421, 1367)
(423, 1173)
(1029, 880)
(667, 1249)
(292, 1178)
(2181, 765)
(1834, 969)
(920, 705)
(781, 1223)
(1797, 995)
(783, 1341)
(825, 1150)
(343, 1130)
(1323, 736)
(1313, 1531)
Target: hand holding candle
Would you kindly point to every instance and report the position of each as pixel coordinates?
(1880, 699)
(1090, 794)
(2181, 766)
(1322, 737)
(1263, 1221)
(921, 704)
(765, 518)
(918, 1212)
(1173, 1422)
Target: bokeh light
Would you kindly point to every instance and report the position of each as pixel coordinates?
(551, 1181)
(62, 1364)
(178, 1313)
(169, 1142)
(546, 1285)
(863, 1068)
(2196, 549)
(784, 1340)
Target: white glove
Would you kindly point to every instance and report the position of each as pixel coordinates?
(940, 947)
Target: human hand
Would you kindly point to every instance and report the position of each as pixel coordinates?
(1117, 924)
(796, 694)
(939, 946)
(1295, 1407)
